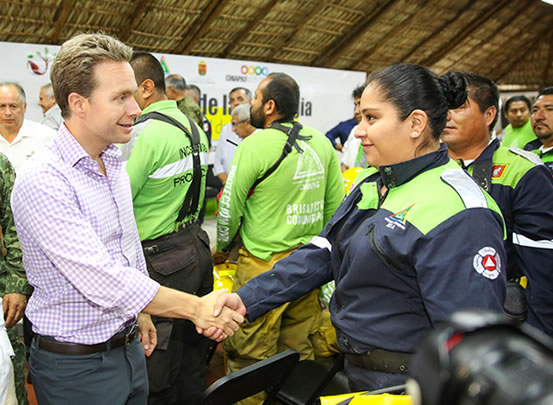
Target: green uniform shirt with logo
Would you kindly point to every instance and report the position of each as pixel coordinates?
(160, 171)
(291, 205)
(518, 137)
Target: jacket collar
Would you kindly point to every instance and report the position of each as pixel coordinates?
(397, 174)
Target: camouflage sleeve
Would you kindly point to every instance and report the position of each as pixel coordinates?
(192, 110)
(12, 273)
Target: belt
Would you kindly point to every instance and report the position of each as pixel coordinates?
(381, 360)
(124, 338)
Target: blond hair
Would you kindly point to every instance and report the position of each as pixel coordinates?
(73, 68)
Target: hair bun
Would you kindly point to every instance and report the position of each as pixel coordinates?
(454, 88)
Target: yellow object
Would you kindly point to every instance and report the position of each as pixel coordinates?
(349, 177)
(523, 281)
(360, 399)
(223, 276)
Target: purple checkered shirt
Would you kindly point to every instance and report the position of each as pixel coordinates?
(80, 244)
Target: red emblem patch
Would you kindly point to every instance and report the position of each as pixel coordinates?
(498, 170)
(489, 263)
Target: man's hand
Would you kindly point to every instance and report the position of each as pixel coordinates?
(224, 302)
(14, 304)
(147, 333)
(230, 300)
(216, 326)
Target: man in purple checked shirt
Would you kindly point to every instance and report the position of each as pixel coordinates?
(82, 254)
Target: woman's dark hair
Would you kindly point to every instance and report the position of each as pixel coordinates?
(414, 87)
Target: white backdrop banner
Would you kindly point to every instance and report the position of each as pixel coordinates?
(325, 94)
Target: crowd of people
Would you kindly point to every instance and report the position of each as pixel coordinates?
(104, 253)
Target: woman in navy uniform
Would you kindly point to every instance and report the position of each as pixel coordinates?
(415, 241)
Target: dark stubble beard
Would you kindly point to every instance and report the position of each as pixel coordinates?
(257, 118)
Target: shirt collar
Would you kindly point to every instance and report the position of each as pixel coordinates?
(73, 153)
(400, 173)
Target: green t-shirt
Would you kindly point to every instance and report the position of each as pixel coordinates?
(291, 205)
(518, 137)
(160, 170)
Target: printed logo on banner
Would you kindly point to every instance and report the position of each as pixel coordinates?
(254, 70)
(202, 68)
(165, 66)
(38, 63)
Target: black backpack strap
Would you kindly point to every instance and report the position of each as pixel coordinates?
(482, 173)
(192, 198)
(293, 134)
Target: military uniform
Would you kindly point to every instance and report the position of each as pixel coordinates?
(12, 274)
(192, 110)
(403, 262)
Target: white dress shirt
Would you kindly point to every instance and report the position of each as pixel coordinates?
(52, 118)
(228, 142)
(30, 139)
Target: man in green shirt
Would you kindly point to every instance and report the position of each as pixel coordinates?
(519, 132)
(167, 175)
(176, 90)
(275, 215)
(542, 123)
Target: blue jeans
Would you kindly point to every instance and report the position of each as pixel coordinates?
(112, 377)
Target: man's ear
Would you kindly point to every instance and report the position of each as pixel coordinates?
(148, 88)
(418, 122)
(489, 114)
(77, 104)
(270, 107)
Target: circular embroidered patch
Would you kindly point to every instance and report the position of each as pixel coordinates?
(487, 263)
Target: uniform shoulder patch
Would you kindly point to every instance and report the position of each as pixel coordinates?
(487, 263)
(532, 157)
(466, 187)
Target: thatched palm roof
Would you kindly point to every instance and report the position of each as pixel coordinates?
(508, 41)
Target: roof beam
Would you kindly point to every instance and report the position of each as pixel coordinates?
(139, 11)
(517, 13)
(261, 14)
(299, 25)
(497, 56)
(438, 31)
(60, 18)
(339, 47)
(474, 25)
(545, 74)
(508, 68)
(387, 38)
(199, 28)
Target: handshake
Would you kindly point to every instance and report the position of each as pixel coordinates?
(220, 314)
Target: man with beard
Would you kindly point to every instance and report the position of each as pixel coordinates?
(284, 184)
(522, 187)
(542, 124)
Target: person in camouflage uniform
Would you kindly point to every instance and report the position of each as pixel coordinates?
(175, 87)
(14, 287)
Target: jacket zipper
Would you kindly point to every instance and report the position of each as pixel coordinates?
(378, 250)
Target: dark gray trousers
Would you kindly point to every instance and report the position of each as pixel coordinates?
(112, 377)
